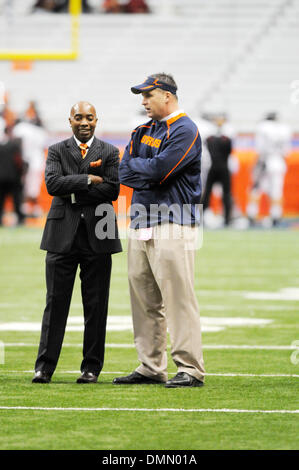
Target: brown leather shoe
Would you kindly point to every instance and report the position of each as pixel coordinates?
(87, 378)
(41, 377)
(182, 379)
(134, 379)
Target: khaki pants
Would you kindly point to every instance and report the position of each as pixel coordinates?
(161, 280)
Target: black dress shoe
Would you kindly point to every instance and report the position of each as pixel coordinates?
(87, 378)
(41, 377)
(182, 379)
(134, 378)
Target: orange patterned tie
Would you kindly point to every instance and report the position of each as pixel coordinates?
(83, 148)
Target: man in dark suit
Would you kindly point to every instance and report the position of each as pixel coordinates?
(82, 175)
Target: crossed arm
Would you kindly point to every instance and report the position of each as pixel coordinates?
(142, 173)
(101, 189)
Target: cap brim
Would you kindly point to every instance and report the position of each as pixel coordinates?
(140, 88)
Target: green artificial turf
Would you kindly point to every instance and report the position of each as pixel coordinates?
(240, 376)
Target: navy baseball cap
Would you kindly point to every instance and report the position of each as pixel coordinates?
(150, 84)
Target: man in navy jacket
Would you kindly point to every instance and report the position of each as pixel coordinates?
(162, 164)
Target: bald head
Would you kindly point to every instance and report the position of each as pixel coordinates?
(83, 120)
(82, 106)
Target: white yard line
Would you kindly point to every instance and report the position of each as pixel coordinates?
(207, 346)
(252, 306)
(149, 410)
(126, 306)
(70, 345)
(252, 375)
(248, 346)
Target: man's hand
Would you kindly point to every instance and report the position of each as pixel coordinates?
(95, 179)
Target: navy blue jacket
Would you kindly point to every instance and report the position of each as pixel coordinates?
(162, 164)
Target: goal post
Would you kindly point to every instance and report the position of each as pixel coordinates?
(69, 54)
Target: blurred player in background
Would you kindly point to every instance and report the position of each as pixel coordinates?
(8, 114)
(136, 6)
(11, 173)
(32, 114)
(58, 6)
(34, 141)
(273, 142)
(220, 146)
(206, 128)
(125, 6)
(2, 128)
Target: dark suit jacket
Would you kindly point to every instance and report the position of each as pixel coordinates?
(65, 174)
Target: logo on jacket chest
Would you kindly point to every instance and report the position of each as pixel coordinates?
(148, 140)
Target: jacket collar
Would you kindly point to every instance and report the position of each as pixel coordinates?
(171, 117)
(92, 154)
(87, 143)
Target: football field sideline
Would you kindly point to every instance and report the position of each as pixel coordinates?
(289, 347)
(148, 410)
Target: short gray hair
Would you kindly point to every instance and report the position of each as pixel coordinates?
(166, 78)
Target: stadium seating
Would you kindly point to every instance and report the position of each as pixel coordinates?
(236, 56)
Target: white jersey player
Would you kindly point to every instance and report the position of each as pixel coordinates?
(2, 129)
(33, 148)
(273, 142)
(206, 128)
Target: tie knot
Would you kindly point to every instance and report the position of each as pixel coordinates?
(83, 148)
